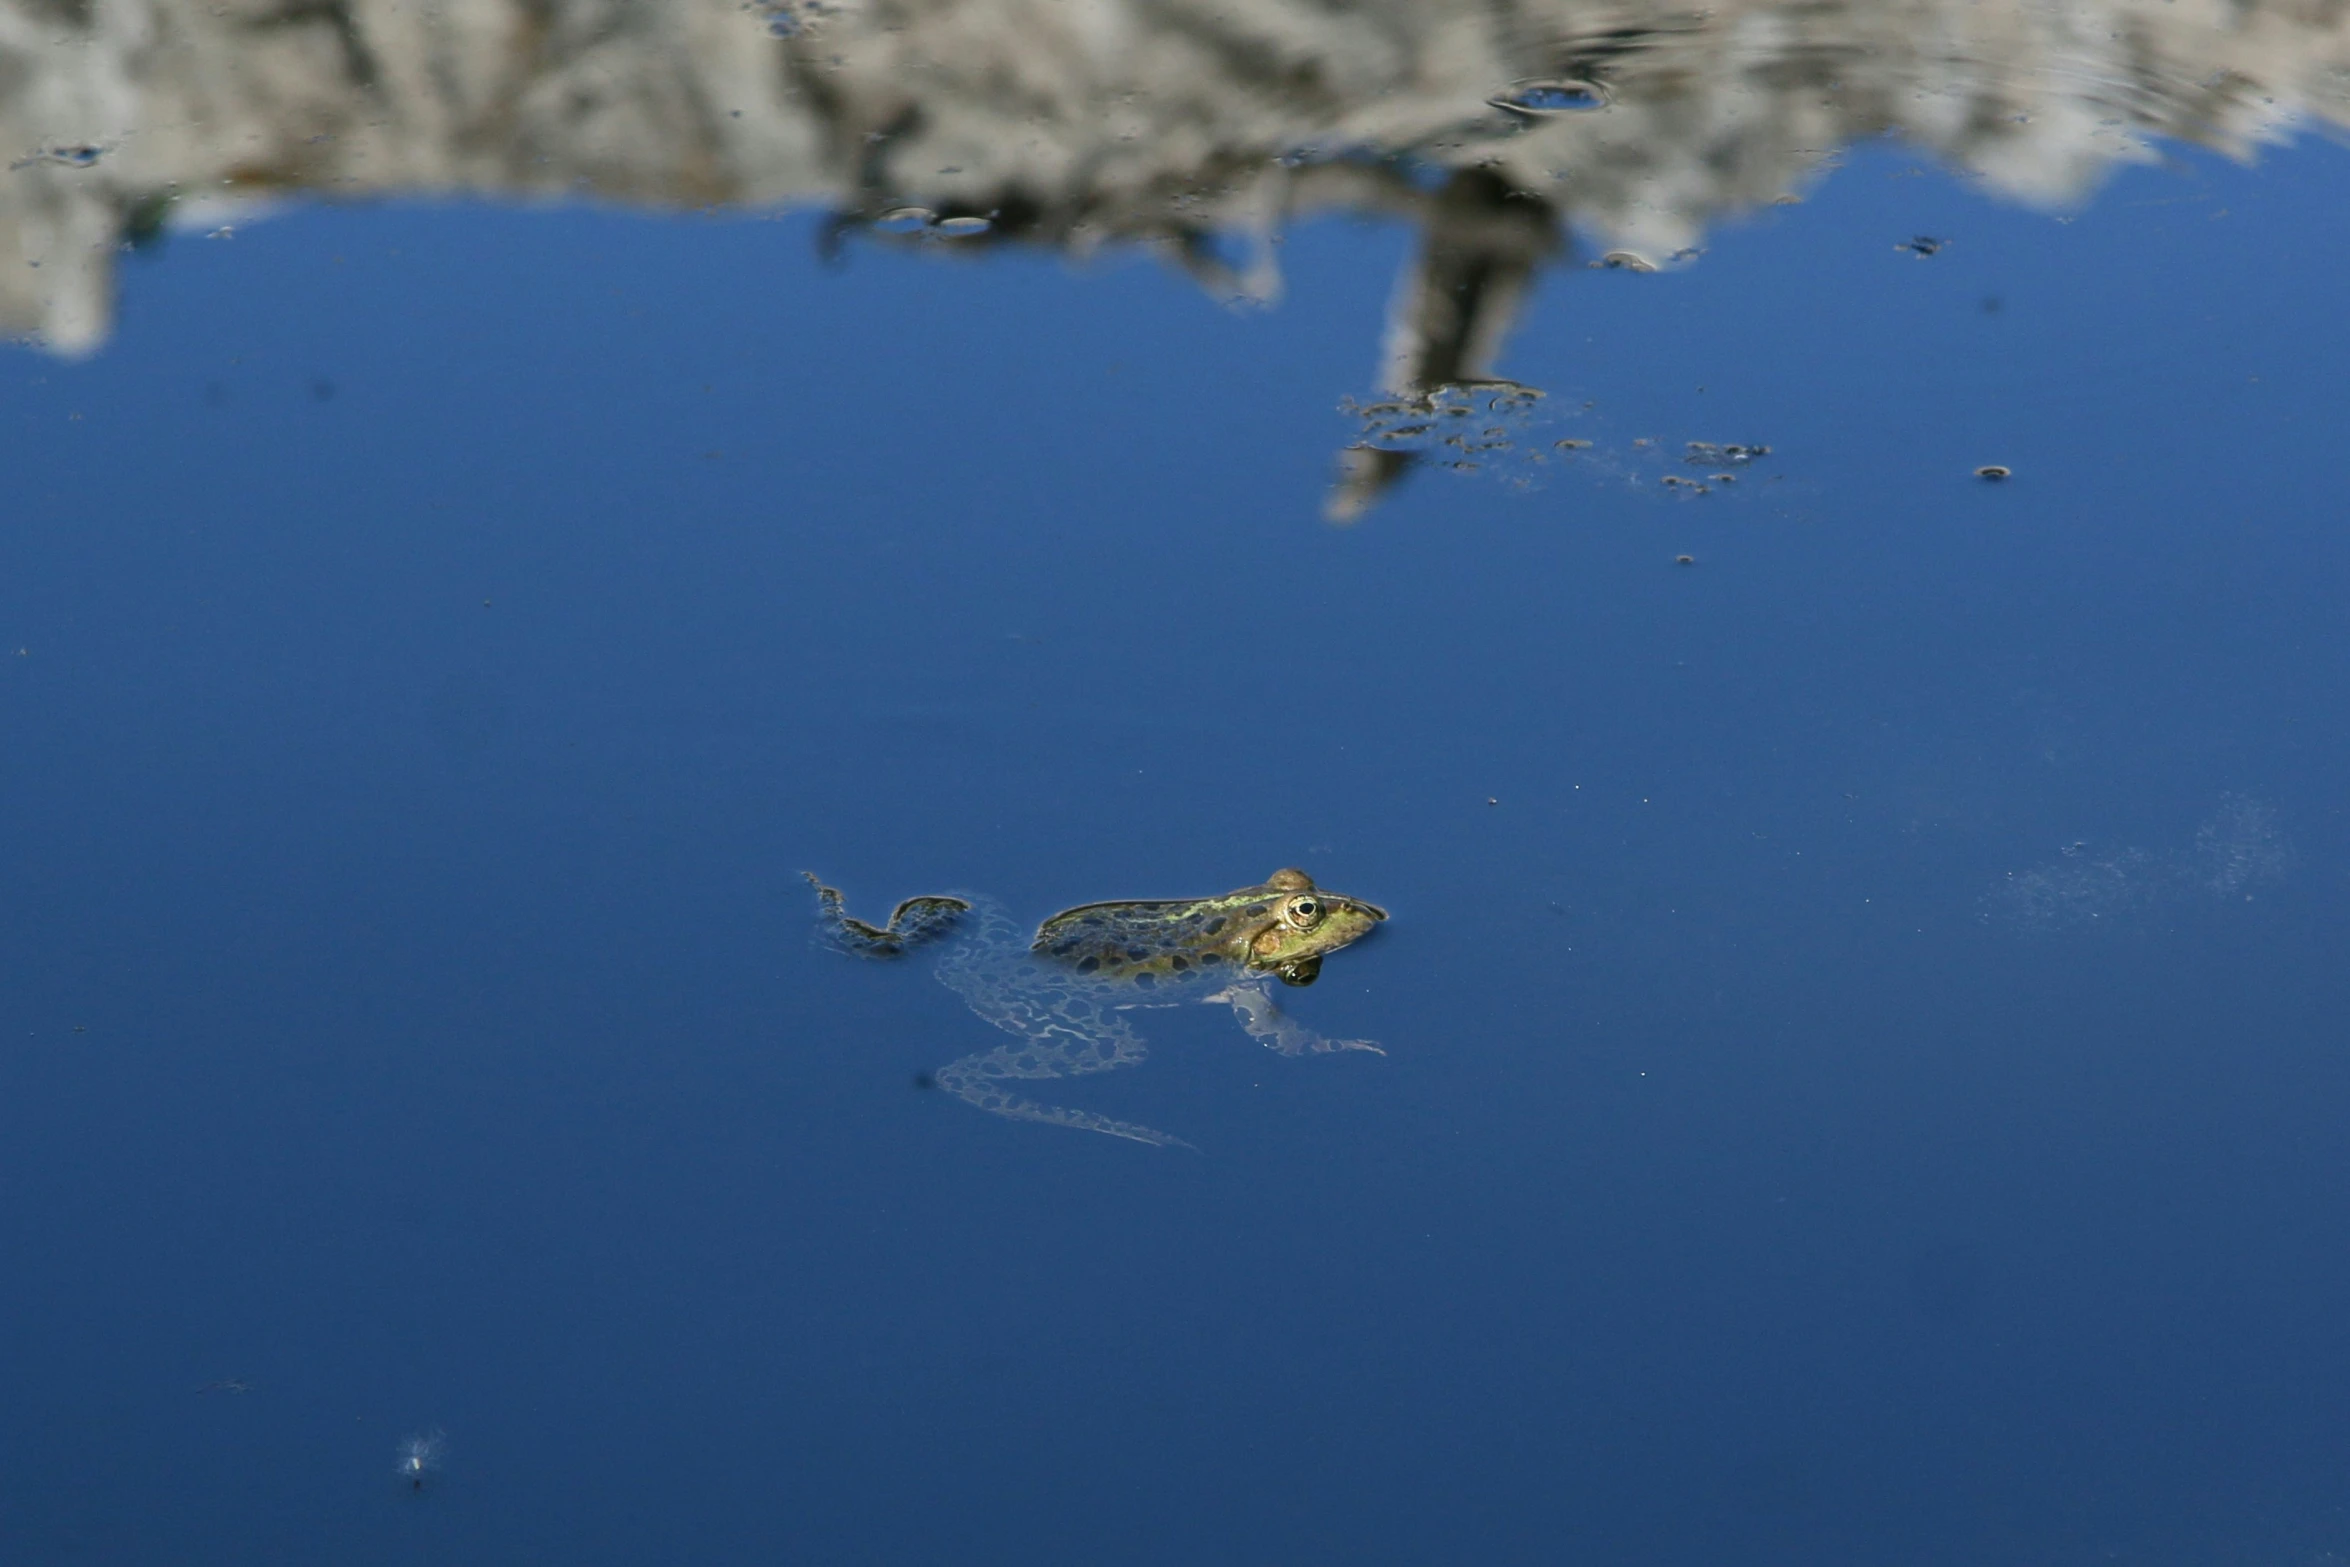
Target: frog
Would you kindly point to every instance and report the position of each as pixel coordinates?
(1065, 991)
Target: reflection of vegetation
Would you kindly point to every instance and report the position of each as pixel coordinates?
(1191, 130)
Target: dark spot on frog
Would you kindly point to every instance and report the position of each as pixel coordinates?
(1207, 959)
(1062, 949)
(1145, 979)
(1255, 909)
(925, 1080)
(1137, 954)
(1215, 924)
(1177, 964)
(1088, 965)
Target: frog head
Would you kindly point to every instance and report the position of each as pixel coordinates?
(1300, 923)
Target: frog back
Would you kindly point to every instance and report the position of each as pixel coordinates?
(1161, 941)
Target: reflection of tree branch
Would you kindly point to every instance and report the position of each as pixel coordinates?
(1482, 239)
(1481, 242)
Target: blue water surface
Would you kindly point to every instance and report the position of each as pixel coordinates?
(1865, 1074)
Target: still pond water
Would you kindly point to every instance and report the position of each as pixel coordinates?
(497, 492)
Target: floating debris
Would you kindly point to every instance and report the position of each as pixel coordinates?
(1517, 439)
(1705, 454)
(1684, 560)
(1922, 245)
(2238, 849)
(1537, 97)
(1994, 472)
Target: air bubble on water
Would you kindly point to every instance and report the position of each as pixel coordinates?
(1564, 95)
(421, 1455)
(1626, 261)
(904, 220)
(960, 228)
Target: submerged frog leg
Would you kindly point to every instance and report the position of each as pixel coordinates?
(911, 923)
(1268, 1026)
(1065, 1030)
(982, 1080)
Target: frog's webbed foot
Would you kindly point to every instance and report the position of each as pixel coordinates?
(911, 923)
(985, 1080)
(1268, 1026)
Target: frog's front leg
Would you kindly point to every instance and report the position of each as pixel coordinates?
(985, 1080)
(1270, 1027)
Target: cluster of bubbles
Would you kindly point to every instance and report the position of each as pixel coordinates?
(1517, 433)
(78, 155)
(1541, 97)
(2239, 848)
(792, 18)
(922, 223)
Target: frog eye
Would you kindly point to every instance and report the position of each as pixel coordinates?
(1302, 913)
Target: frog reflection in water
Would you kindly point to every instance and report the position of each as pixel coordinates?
(1065, 993)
